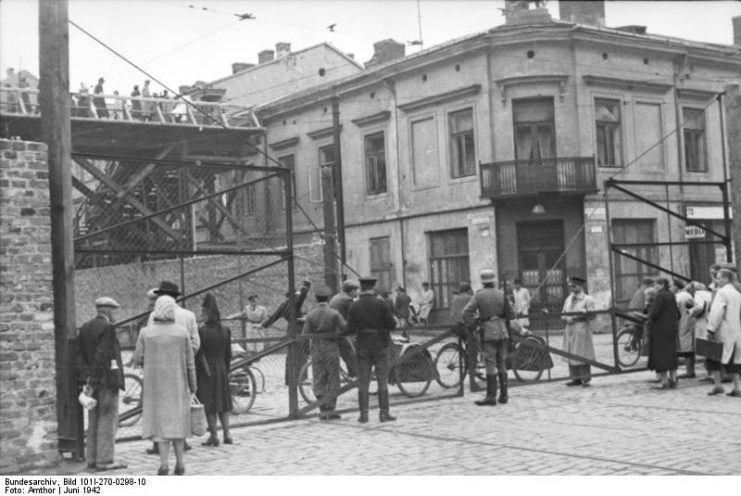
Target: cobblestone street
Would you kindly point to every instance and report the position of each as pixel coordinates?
(619, 426)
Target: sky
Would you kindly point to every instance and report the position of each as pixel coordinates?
(180, 44)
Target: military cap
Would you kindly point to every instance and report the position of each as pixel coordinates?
(106, 301)
(577, 280)
(367, 280)
(487, 275)
(728, 266)
(322, 291)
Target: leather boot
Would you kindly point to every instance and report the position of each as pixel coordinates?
(383, 405)
(503, 398)
(491, 392)
(363, 405)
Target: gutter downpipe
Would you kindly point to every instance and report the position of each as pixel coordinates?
(392, 89)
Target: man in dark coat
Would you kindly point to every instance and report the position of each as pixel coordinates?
(325, 354)
(341, 302)
(371, 320)
(99, 365)
(301, 353)
(663, 318)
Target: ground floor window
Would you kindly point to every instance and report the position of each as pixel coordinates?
(628, 272)
(380, 262)
(449, 264)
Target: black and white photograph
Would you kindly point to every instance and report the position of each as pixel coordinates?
(377, 238)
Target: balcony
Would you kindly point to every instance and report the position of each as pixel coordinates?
(524, 178)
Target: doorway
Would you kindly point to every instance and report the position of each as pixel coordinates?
(540, 247)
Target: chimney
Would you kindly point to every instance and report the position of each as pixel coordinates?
(384, 51)
(592, 12)
(736, 30)
(241, 66)
(519, 12)
(282, 49)
(265, 56)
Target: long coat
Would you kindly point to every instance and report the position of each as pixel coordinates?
(212, 368)
(725, 320)
(164, 348)
(577, 336)
(663, 324)
(685, 304)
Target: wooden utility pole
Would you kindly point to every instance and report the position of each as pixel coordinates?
(330, 241)
(339, 194)
(55, 132)
(732, 136)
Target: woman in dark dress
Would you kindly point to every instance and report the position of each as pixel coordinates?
(212, 370)
(663, 318)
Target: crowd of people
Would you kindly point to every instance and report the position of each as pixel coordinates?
(182, 360)
(141, 106)
(680, 317)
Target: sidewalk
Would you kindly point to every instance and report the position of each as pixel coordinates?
(618, 426)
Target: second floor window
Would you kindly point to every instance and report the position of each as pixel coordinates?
(694, 139)
(462, 152)
(375, 164)
(609, 137)
(535, 134)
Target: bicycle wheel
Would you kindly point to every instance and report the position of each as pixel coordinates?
(306, 380)
(448, 365)
(243, 388)
(527, 364)
(628, 355)
(130, 400)
(306, 383)
(418, 386)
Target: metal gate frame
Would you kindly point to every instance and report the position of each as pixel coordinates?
(615, 248)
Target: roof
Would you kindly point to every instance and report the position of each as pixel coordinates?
(558, 26)
(258, 67)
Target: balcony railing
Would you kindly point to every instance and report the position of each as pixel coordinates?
(25, 101)
(521, 178)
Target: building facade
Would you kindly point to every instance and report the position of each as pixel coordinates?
(490, 151)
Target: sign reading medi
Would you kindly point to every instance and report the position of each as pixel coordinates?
(694, 232)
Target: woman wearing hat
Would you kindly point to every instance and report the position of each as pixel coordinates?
(663, 320)
(577, 335)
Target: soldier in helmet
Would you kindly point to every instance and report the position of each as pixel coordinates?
(325, 352)
(495, 320)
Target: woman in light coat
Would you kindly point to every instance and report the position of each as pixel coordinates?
(686, 338)
(164, 349)
(702, 298)
(724, 325)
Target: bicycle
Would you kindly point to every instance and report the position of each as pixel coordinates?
(243, 385)
(629, 343)
(413, 377)
(527, 361)
(130, 400)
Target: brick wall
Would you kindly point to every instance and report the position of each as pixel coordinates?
(27, 372)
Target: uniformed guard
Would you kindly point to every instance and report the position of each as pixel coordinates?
(496, 320)
(325, 353)
(370, 318)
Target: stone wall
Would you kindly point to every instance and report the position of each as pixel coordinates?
(27, 370)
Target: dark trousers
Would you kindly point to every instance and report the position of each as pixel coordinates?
(298, 354)
(581, 373)
(101, 429)
(372, 353)
(347, 352)
(325, 366)
(495, 356)
(472, 350)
